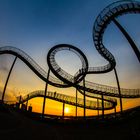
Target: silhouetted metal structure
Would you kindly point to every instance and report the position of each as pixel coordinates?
(5, 86)
(86, 88)
(102, 107)
(98, 106)
(132, 43)
(109, 104)
(84, 99)
(110, 13)
(117, 79)
(44, 101)
(76, 102)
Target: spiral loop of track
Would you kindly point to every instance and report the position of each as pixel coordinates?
(103, 20)
(59, 72)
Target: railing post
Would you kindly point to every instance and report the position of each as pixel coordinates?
(98, 107)
(102, 106)
(84, 99)
(27, 102)
(8, 78)
(46, 88)
(76, 102)
(117, 79)
(20, 98)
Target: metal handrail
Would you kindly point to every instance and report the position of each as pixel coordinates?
(90, 104)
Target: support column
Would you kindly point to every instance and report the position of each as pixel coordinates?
(129, 39)
(20, 98)
(20, 101)
(117, 79)
(84, 99)
(27, 102)
(76, 102)
(8, 78)
(98, 107)
(102, 106)
(46, 88)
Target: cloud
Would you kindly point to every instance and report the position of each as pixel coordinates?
(4, 63)
(9, 95)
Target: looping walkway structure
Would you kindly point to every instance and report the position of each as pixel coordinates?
(59, 72)
(89, 89)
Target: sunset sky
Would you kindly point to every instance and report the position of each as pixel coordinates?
(35, 26)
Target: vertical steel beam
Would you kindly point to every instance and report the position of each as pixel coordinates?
(119, 90)
(84, 99)
(27, 102)
(20, 98)
(76, 102)
(129, 39)
(8, 78)
(98, 107)
(20, 101)
(102, 106)
(46, 88)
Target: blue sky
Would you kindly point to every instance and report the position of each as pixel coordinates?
(37, 25)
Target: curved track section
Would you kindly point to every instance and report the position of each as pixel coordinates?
(90, 87)
(109, 14)
(90, 104)
(32, 65)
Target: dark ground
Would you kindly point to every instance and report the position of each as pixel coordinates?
(17, 126)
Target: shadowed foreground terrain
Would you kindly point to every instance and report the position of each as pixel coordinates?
(18, 126)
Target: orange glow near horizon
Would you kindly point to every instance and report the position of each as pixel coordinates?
(55, 107)
(67, 110)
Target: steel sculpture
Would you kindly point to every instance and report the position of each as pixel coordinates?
(89, 89)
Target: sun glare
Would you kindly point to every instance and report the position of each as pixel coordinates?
(67, 110)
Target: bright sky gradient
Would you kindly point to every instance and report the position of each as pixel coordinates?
(35, 26)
